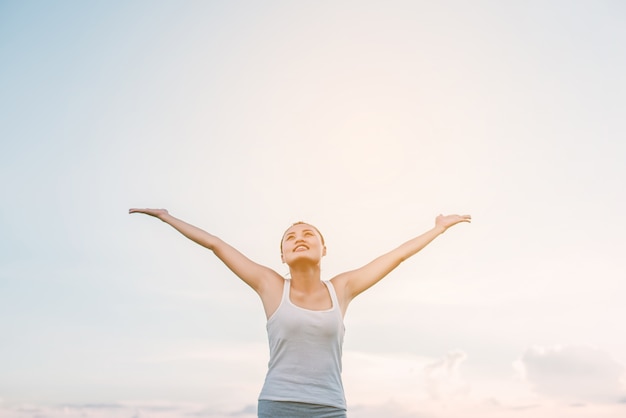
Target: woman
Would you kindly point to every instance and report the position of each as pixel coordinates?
(304, 314)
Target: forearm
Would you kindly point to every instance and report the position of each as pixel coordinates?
(384, 264)
(194, 233)
(416, 244)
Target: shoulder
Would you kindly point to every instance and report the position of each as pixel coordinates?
(271, 293)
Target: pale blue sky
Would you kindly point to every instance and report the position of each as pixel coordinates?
(364, 118)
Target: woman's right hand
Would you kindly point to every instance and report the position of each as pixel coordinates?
(157, 213)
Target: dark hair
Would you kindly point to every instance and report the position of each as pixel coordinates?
(300, 223)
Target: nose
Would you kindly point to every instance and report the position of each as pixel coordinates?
(301, 238)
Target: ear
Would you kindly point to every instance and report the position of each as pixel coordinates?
(282, 258)
(324, 251)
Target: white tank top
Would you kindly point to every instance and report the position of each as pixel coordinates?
(305, 353)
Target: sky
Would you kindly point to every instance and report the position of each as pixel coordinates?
(366, 119)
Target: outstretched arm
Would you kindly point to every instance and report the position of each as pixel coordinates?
(357, 281)
(250, 272)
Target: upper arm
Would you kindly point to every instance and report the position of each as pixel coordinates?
(355, 282)
(253, 274)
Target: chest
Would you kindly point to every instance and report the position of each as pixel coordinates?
(320, 300)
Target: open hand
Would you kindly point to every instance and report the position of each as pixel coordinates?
(157, 213)
(446, 221)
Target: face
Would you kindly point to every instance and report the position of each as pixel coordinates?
(302, 242)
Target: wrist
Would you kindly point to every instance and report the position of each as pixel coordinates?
(439, 229)
(165, 217)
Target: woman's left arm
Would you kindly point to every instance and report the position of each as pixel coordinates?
(357, 281)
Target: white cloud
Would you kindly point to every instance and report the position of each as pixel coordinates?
(384, 379)
(574, 373)
(442, 376)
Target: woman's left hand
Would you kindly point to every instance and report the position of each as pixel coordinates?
(446, 221)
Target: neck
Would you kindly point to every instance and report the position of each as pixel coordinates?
(305, 276)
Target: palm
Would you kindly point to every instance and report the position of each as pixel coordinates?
(446, 221)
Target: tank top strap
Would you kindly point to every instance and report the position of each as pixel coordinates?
(286, 287)
(333, 295)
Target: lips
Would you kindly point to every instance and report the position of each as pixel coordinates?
(300, 247)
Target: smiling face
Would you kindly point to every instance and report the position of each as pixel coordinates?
(302, 242)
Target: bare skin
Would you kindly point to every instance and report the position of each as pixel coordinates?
(302, 251)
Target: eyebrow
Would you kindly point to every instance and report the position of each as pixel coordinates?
(293, 233)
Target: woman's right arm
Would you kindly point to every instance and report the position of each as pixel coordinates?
(253, 274)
